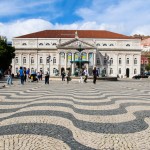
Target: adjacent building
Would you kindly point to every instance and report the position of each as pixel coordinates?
(51, 50)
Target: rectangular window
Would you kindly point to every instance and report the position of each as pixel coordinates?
(16, 60)
(119, 70)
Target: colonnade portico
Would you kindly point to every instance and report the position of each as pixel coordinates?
(67, 59)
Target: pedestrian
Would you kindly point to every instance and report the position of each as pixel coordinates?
(80, 73)
(9, 73)
(25, 76)
(47, 78)
(94, 75)
(28, 74)
(21, 72)
(40, 75)
(68, 74)
(63, 74)
(86, 75)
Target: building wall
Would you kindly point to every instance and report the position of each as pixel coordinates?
(104, 48)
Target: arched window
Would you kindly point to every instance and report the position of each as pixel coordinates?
(24, 44)
(104, 44)
(135, 61)
(120, 61)
(54, 44)
(32, 60)
(111, 61)
(41, 60)
(16, 60)
(32, 70)
(111, 71)
(128, 45)
(24, 60)
(54, 70)
(41, 44)
(127, 60)
(145, 62)
(47, 44)
(119, 70)
(111, 45)
(54, 60)
(135, 71)
(97, 44)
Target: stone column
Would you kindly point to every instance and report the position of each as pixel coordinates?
(87, 58)
(21, 63)
(37, 61)
(65, 60)
(94, 59)
(72, 64)
(29, 60)
(58, 62)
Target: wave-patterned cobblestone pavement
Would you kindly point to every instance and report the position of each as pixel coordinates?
(61, 116)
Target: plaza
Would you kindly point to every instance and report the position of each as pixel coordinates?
(107, 115)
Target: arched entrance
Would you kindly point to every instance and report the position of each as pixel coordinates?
(127, 72)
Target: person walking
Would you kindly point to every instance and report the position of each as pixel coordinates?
(21, 72)
(9, 72)
(68, 74)
(86, 75)
(94, 75)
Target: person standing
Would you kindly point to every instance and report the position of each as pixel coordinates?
(25, 76)
(94, 75)
(21, 72)
(47, 78)
(68, 74)
(9, 78)
(80, 74)
(63, 75)
(28, 73)
(86, 75)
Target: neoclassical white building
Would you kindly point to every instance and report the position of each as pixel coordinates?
(112, 53)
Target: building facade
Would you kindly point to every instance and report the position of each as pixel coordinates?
(145, 55)
(113, 54)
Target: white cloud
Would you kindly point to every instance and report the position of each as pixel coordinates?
(123, 16)
(143, 30)
(22, 27)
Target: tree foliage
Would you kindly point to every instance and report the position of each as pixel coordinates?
(147, 67)
(7, 53)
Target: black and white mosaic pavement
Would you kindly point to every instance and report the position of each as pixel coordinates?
(107, 115)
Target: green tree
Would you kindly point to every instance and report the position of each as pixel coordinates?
(7, 53)
(147, 67)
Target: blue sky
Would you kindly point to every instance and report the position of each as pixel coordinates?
(19, 17)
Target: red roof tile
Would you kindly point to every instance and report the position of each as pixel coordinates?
(71, 34)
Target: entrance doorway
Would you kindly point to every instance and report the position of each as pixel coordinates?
(127, 72)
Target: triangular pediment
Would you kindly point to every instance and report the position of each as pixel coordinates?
(75, 44)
